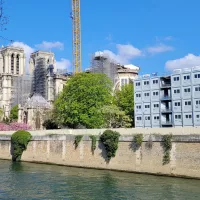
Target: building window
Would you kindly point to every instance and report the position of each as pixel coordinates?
(197, 116)
(177, 91)
(187, 103)
(186, 77)
(188, 116)
(177, 103)
(176, 78)
(139, 118)
(147, 106)
(156, 105)
(12, 64)
(146, 94)
(137, 84)
(155, 93)
(198, 102)
(156, 117)
(155, 81)
(177, 116)
(147, 118)
(124, 82)
(197, 76)
(17, 64)
(138, 107)
(146, 82)
(197, 89)
(138, 95)
(187, 90)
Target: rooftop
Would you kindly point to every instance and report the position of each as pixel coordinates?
(37, 101)
(175, 71)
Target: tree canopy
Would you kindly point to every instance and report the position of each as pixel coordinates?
(82, 99)
(1, 114)
(124, 99)
(115, 118)
(14, 113)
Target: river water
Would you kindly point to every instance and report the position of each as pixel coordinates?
(39, 181)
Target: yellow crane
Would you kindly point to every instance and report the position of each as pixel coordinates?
(76, 36)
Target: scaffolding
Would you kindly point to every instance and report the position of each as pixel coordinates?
(21, 89)
(51, 83)
(102, 63)
(39, 79)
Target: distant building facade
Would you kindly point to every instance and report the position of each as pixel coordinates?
(16, 86)
(119, 74)
(34, 111)
(125, 74)
(12, 67)
(45, 80)
(168, 101)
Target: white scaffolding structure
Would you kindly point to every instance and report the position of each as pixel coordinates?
(102, 63)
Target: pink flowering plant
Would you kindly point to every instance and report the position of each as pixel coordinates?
(14, 126)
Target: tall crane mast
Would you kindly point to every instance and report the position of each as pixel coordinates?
(76, 34)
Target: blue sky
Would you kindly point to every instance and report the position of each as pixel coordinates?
(156, 35)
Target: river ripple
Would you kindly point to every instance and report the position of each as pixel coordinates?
(38, 181)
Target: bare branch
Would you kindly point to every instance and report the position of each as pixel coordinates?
(3, 17)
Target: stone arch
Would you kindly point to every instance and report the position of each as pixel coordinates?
(12, 63)
(38, 120)
(17, 63)
(116, 86)
(3, 64)
(25, 117)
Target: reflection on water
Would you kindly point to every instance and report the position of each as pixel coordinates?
(37, 181)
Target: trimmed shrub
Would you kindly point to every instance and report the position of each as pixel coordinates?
(110, 140)
(77, 140)
(94, 140)
(19, 141)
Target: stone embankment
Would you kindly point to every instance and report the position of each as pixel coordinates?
(57, 147)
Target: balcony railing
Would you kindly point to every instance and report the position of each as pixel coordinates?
(165, 98)
(165, 85)
(166, 122)
(166, 110)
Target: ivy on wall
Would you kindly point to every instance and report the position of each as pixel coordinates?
(167, 146)
(77, 140)
(94, 140)
(137, 139)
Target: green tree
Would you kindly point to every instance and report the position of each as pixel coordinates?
(115, 118)
(124, 99)
(1, 114)
(14, 113)
(81, 101)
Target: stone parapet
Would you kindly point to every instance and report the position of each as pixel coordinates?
(60, 149)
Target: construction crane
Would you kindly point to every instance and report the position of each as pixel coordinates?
(76, 36)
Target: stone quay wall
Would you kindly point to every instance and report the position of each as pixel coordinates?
(59, 149)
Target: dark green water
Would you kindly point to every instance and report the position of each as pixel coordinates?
(37, 181)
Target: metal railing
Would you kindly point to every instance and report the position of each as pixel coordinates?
(167, 110)
(166, 122)
(165, 98)
(165, 85)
